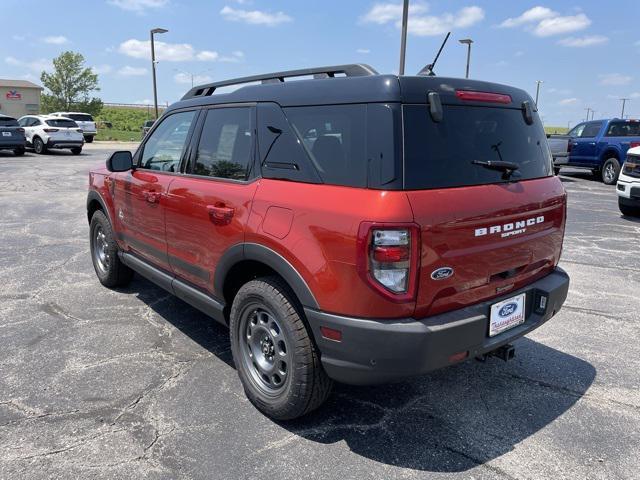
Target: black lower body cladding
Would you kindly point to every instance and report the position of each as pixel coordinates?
(379, 351)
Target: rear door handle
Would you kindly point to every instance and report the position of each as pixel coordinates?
(151, 196)
(220, 214)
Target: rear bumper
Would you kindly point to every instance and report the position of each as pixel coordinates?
(379, 351)
(64, 143)
(12, 145)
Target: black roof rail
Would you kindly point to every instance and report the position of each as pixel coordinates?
(349, 70)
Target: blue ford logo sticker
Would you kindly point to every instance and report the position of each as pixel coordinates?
(442, 273)
(508, 309)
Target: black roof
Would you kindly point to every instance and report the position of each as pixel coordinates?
(361, 85)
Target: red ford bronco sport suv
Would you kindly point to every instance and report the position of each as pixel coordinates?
(348, 226)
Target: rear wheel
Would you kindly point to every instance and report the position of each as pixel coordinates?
(104, 253)
(628, 211)
(88, 139)
(610, 171)
(19, 151)
(38, 146)
(277, 361)
(76, 150)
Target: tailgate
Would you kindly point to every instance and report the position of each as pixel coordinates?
(496, 238)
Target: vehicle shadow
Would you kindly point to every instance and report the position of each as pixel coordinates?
(568, 175)
(451, 420)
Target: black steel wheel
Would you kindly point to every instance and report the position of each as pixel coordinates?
(104, 253)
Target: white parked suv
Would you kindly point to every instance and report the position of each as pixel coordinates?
(84, 121)
(45, 132)
(629, 184)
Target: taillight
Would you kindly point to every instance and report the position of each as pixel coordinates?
(51, 130)
(20, 130)
(388, 259)
(569, 145)
(634, 144)
(489, 97)
(79, 130)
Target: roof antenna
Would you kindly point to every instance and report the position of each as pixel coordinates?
(428, 70)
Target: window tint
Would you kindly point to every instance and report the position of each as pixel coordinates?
(80, 117)
(440, 155)
(334, 138)
(226, 144)
(591, 130)
(62, 123)
(8, 122)
(165, 147)
(623, 129)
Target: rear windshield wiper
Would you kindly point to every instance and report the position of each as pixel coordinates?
(507, 168)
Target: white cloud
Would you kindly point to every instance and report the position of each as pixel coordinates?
(184, 78)
(254, 17)
(363, 51)
(138, 6)
(170, 52)
(36, 65)
(568, 101)
(101, 69)
(146, 101)
(534, 14)
(560, 25)
(586, 41)
(56, 40)
(128, 71)
(235, 57)
(634, 95)
(519, 53)
(544, 22)
(18, 38)
(501, 63)
(559, 91)
(207, 56)
(421, 24)
(614, 79)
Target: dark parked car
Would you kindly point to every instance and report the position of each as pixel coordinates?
(146, 127)
(11, 135)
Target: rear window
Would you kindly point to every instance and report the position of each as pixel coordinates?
(623, 129)
(61, 123)
(80, 117)
(8, 122)
(440, 155)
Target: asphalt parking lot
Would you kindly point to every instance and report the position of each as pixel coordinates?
(136, 384)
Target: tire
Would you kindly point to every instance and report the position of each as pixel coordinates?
(18, 152)
(610, 171)
(277, 361)
(88, 139)
(556, 170)
(38, 146)
(76, 150)
(628, 211)
(104, 253)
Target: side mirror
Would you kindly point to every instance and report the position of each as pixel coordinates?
(435, 106)
(121, 161)
(527, 112)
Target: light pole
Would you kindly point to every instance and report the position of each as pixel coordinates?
(624, 102)
(153, 67)
(538, 82)
(403, 39)
(588, 109)
(467, 42)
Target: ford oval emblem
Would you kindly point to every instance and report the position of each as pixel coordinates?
(508, 309)
(442, 273)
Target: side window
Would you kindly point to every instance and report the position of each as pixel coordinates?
(591, 130)
(165, 147)
(23, 122)
(282, 155)
(225, 149)
(577, 130)
(335, 140)
(616, 129)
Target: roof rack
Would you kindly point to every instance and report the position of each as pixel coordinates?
(349, 70)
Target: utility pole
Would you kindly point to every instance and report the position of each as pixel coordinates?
(403, 40)
(153, 67)
(467, 42)
(588, 109)
(538, 82)
(624, 101)
(593, 114)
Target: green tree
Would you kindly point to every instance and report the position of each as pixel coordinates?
(69, 86)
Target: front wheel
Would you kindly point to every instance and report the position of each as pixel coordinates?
(76, 150)
(18, 152)
(38, 146)
(628, 211)
(610, 171)
(277, 361)
(104, 253)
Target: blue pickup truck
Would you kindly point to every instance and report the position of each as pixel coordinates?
(599, 145)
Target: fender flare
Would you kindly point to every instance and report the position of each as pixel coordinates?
(92, 196)
(269, 257)
(609, 152)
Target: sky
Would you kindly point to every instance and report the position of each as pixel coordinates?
(587, 54)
